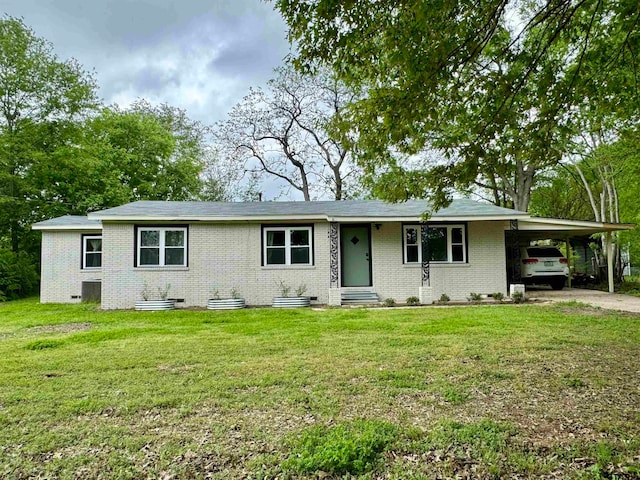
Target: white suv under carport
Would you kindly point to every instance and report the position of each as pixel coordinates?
(544, 265)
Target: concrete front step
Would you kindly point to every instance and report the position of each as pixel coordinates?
(359, 296)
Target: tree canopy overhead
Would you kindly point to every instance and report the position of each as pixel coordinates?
(500, 86)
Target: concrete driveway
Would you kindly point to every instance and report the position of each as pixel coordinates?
(610, 301)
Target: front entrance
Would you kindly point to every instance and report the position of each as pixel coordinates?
(355, 248)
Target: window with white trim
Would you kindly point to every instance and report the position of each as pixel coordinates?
(162, 247)
(91, 251)
(287, 245)
(447, 244)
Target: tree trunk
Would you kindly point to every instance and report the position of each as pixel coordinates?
(338, 181)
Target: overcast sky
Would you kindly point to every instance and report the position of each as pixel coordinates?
(200, 55)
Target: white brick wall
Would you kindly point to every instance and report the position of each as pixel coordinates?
(61, 272)
(221, 256)
(484, 273)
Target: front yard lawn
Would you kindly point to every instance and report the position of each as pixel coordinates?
(476, 392)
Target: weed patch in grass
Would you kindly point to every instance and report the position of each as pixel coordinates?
(455, 394)
(574, 382)
(44, 344)
(347, 448)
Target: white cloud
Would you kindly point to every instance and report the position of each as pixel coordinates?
(200, 55)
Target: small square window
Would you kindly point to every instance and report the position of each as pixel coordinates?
(91, 251)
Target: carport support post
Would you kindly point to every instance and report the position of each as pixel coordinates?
(568, 246)
(609, 261)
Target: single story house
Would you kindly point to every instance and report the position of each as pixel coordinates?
(340, 250)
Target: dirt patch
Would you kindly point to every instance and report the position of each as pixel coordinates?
(62, 328)
(587, 310)
(180, 369)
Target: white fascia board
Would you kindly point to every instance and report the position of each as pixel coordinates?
(67, 227)
(303, 218)
(535, 223)
(434, 219)
(245, 218)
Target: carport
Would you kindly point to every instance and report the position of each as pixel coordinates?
(535, 228)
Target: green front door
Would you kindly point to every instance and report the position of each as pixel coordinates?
(355, 250)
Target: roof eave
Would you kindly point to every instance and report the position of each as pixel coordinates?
(67, 227)
(539, 223)
(298, 218)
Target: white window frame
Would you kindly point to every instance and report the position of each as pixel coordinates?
(84, 251)
(450, 243)
(287, 245)
(161, 246)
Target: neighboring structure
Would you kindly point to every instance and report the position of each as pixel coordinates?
(341, 250)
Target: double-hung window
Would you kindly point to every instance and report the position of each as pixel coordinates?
(91, 251)
(162, 247)
(288, 245)
(446, 244)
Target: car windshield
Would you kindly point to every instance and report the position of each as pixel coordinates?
(543, 252)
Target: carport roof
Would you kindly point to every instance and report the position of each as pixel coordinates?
(555, 228)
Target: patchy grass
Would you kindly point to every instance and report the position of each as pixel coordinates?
(483, 392)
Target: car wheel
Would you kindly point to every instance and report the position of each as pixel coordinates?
(558, 284)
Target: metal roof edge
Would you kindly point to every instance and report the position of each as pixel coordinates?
(92, 226)
(582, 223)
(321, 217)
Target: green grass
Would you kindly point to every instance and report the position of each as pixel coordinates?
(482, 392)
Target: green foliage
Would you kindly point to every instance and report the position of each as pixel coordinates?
(574, 382)
(43, 344)
(41, 100)
(347, 448)
(413, 301)
(301, 290)
(18, 275)
(474, 297)
(518, 297)
(60, 155)
(483, 436)
(444, 298)
(389, 302)
(455, 394)
(147, 154)
(498, 296)
(561, 194)
(500, 88)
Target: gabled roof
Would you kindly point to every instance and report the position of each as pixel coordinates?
(333, 211)
(346, 210)
(69, 222)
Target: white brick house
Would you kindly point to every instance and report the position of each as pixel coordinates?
(362, 248)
